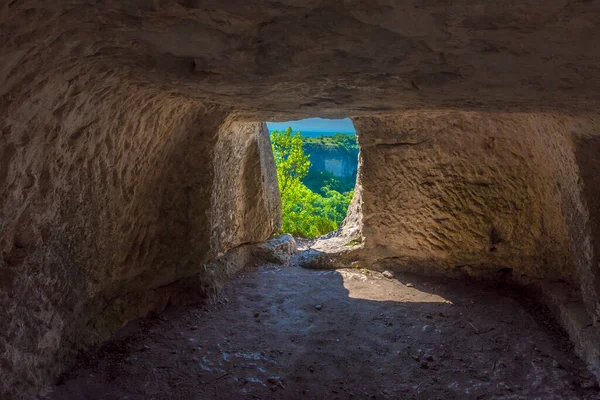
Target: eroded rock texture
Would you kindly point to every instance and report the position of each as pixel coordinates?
(327, 57)
(502, 196)
(471, 191)
(337, 161)
(132, 156)
(114, 199)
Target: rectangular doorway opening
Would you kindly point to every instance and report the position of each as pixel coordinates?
(317, 164)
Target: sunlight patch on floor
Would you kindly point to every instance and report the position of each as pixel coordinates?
(373, 286)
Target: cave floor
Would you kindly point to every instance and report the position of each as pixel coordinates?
(283, 332)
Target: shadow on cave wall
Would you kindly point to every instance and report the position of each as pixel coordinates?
(586, 154)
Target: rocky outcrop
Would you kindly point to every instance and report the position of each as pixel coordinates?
(470, 191)
(113, 202)
(507, 197)
(280, 59)
(339, 162)
(278, 249)
(133, 163)
(492, 195)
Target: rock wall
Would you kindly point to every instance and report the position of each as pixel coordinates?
(499, 196)
(128, 165)
(275, 60)
(110, 197)
(479, 193)
(336, 161)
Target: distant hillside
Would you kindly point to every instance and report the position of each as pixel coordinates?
(334, 162)
(317, 134)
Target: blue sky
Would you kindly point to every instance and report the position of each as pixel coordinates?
(315, 125)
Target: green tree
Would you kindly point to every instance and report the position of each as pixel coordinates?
(292, 163)
(304, 212)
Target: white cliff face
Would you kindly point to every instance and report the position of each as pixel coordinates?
(336, 167)
(339, 162)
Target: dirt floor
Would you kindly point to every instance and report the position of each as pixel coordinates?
(283, 332)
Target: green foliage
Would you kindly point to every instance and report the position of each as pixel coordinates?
(292, 163)
(340, 141)
(305, 213)
(334, 205)
(315, 180)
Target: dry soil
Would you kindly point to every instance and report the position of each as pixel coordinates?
(283, 332)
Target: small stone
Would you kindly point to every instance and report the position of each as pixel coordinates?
(256, 315)
(145, 348)
(424, 365)
(588, 384)
(318, 307)
(173, 352)
(556, 364)
(429, 357)
(388, 274)
(193, 328)
(409, 285)
(311, 369)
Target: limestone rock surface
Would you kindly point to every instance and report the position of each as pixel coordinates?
(278, 249)
(339, 162)
(104, 222)
(135, 168)
(499, 196)
(283, 59)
